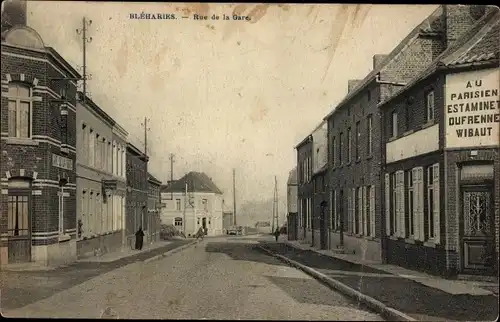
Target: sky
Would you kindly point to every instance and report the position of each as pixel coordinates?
(223, 94)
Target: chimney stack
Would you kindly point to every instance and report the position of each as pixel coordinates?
(377, 60)
(351, 84)
(459, 19)
(14, 13)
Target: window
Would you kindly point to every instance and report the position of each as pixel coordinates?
(98, 214)
(358, 219)
(418, 201)
(358, 134)
(90, 219)
(429, 104)
(334, 224)
(371, 210)
(97, 159)
(81, 225)
(369, 96)
(369, 134)
(397, 210)
(61, 210)
(177, 204)
(410, 203)
(64, 125)
(91, 148)
(20, 100)
(341, 147)
(407, 117)
(178, 221)
(114, 161)
(123, 163)
(394, 124)
(334, 154)
(204, 203)
(85, 147)
(433, 213)
(349, 145)
(109, 158)
(393, 205)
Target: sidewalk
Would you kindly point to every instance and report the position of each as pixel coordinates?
(417, 295)
(122, 253)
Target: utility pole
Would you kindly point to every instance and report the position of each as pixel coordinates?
(172, 160)
(276, 200)
(83, 31)
(185, 205)
(146, 129)
(274, 209)
(234, 197)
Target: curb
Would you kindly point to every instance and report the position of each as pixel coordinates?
(377, 306)
(170, 252)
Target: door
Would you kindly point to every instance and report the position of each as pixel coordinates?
(477, 230)
(323, 234)
(204, 224)
(19, 226)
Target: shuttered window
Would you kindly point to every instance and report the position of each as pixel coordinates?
(433, 207)
(372, 211)
(387, 190)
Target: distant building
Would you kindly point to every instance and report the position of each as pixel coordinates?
(38, 145)
(227, 220)
(154, 207)
(305, 187)
(192, 202)
(100, 179)
(291, 199)
(137, 193)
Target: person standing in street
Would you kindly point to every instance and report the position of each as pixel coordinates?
(277, 234)
(139, 239)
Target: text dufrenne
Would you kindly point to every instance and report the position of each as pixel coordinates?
(481, 106)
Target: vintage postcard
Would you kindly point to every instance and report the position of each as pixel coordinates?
(249, 161)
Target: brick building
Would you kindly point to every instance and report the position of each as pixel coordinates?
(38, 144)
(154, 207)
(137, 193)
(319, 177)
(305, 191)
(291, 200)
(100, 172)
(355, 133)
(441, 149)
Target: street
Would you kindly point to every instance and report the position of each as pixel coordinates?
(219, 278)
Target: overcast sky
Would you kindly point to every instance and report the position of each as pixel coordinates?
(223, 94)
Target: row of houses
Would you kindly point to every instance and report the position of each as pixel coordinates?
(72, 184)
(405, 169)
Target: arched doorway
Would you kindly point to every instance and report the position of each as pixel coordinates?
(19, 214)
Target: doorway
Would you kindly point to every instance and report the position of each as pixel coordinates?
(323, 227)
(204, 224)
(19, 221)
(477, 229)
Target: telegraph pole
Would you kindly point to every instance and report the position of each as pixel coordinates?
(172, 160)
(83, 31)
(146, 129)
(274, 209)
(276, 200)
(234, 197)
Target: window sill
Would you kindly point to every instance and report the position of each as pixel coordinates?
(358, 160)
(410, 241)
(408, 132)
(64, 238)
(21, 141)
(369, 157)
(393, 237)
(392, 138)
(430, 244)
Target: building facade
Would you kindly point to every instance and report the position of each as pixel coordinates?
(355, 132)
(136, 214)
(192, 202)
(291, 200)
(100, 177)
(154, 208)
(305, 189)
(441, 152)
(38, 144)
(119, 159)
(320, 207)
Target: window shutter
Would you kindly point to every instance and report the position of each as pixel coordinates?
(353, 209)
(416, 216)
(387, 205)
(365, 214)
(437, 212)
(402, 224)
(372, 211)
(349, 210)
(331, 210)
(420, 204)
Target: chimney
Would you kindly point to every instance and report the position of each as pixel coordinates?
(459, 19)
(377, 60)
(351, 84)
(13, 13)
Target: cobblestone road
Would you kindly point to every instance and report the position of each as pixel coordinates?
(220, 278)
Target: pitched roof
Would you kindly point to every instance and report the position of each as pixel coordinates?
(479, 44)
(196, 182)
(431, 23)
(153, 179)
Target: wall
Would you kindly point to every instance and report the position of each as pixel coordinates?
(304, 189)
(33, 158)
(320, 147)
(137, 194)
(292, 198)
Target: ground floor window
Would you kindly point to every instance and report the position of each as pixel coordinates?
(177, 221)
